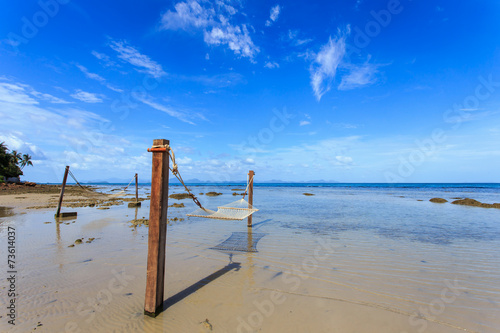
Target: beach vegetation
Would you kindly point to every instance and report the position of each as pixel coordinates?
(8, 162)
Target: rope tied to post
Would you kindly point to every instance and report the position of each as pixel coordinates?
(175, 169)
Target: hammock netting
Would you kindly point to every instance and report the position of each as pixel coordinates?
(237, 210)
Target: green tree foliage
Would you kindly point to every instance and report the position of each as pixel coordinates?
(9, 162)
(25, 160)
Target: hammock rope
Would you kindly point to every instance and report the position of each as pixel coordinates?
(99, 194)
(237, 210)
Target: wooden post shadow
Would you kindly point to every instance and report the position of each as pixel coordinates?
(157, 236)
(200, 284)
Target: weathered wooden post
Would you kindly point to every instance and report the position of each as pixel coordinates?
(136, 189)
(250, 195)
(61, 196)
(157, 229)
(137, 202)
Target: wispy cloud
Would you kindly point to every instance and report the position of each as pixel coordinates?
(182, 116)
(87, 97)
(104, 58)
(48, 98)
(186, 15)
(20, 94)
(359, 76)
(236, 38)
(15, 93)
(330, 58)
(215, 18)
(131, 55)
(271, 64)
(325, 64)
(90, 75)
(273, 17)
(304, 122)
(97, 77)
(293, 37)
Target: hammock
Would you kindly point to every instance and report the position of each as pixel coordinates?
(237, 210)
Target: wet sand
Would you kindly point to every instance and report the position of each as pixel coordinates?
(302, 279)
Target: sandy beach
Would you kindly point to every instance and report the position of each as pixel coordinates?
(316, 269)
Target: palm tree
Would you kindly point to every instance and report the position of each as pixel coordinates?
(17, 155)
(25, 160)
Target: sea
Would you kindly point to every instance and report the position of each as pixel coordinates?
(384, 251)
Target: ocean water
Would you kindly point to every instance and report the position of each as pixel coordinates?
(383, 252)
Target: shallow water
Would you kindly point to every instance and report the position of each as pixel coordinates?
(346, 259)
(6, 211)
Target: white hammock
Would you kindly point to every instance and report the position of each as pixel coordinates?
(237, 210)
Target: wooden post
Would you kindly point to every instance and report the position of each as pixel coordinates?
(136, 189)
(250, 195)
(136, 203)
(157, 230)
(58, 213)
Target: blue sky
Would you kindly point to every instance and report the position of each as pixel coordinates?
(352, 91)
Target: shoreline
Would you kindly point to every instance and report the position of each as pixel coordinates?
(42, 196)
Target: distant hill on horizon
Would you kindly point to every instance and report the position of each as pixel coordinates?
(173, 180)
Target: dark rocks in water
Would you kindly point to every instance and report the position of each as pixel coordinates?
(237, 189)
(438, 200)
(236, 193)
(308, 194)
(177, 205)
(475, 203)
(201, 193)
(179, 196)
(79, 241)
(213, 194)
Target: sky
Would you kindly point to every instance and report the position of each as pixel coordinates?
(348, 91)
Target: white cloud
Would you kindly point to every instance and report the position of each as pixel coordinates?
(344, 159)
(295, 41)
(98, 78)
(215, 19)
(236, 38)
(326, 62)
(271, 64)
(15, 140)
(170, 111)
(304, 122)
(105, 59)
(183, 160)
(49, 98)
(187, 14)
(60, 136)
(19, 93)
(87, 97)
(275, 12)
(15, 93)
(359, 76)
(90, 75)
(134, 57)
